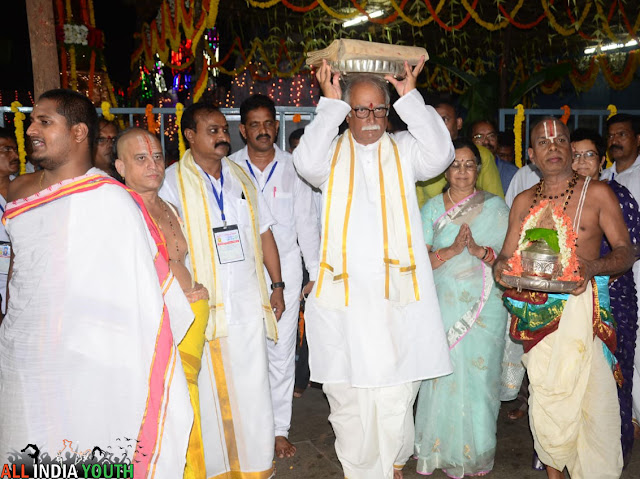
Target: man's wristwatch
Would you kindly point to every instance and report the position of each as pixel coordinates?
(277, 285)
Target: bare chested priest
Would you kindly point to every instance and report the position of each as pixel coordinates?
(568, 339)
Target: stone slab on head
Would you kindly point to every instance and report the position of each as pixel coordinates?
(358, 56)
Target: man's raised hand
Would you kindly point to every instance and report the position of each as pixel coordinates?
(329, 82)
(409, 81)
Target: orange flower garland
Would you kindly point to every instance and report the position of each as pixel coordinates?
(566, 238)
(565, 116)
(152, 125)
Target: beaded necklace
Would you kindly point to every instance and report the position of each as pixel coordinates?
(566, 193)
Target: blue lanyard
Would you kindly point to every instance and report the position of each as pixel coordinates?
(273, 168)
(219, 198)
(2, 208)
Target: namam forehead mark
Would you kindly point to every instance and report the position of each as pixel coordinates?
(552, 129)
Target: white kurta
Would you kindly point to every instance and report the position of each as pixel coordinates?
(374, 342)
(630, 178)
(235, 400)
(81, 331)
(525, 178)
(290, 201)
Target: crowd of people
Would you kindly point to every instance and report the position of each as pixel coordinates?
(168, 300)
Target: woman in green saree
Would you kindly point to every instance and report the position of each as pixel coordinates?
(457, 414)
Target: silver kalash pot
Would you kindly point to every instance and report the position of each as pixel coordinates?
(540, 260)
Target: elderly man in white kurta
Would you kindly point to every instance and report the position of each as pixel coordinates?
(373, 320)
(297, 235)
(227, 228)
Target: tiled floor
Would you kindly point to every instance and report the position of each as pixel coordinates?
(316, 457)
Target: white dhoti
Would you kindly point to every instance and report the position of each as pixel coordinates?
(373, 427)
(282, 355)
(87, 351)
(235, 404)
(573, 404)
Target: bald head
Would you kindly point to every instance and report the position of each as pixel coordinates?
(140, 160)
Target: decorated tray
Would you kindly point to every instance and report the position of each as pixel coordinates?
(539, 284)
(378, 67)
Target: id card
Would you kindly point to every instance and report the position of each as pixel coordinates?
(228, 244)
(5, 256)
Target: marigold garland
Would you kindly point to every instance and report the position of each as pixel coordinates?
(517, 133)
(565, 116)
(504, 18)
(624, 79)
(18, 121)
(181, 146)
(152, 125)
(612, 111)
(106, 111)
(566, 238)
(201, 84)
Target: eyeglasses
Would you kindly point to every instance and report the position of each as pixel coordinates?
(585, 155)
(7, 149)
(488, 136)
(467, 165)
(106, 139)
(378, 112)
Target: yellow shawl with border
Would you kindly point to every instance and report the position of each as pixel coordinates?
(195, 206)
(401, 283)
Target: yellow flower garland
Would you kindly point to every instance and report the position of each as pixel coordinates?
(612, 111)
(517, 133)
(181, 146)
(18, 120)
(106, 111)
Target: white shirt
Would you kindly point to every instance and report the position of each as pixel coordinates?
(291, 204)
(525, 178)
(3, 276)
(374, 342)
(630, 178)
(240, 289)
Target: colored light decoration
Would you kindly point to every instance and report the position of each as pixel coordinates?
(158, 76)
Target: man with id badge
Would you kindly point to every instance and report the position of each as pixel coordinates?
(230, 243)
(9, 165)
(297, 235)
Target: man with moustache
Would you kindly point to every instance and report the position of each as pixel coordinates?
(9, 166)
(488, 178)
(103, 154)
(227, 230)
(485, 135)
(573, 407)
(94, 315)
(373, 322)
(290, 201)
(623, 141)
